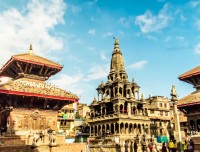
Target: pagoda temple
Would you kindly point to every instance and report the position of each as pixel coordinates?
(190, 104)
(35, 103)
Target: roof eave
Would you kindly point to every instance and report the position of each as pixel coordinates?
(5, 65)
(33, 62)
(188, 104)
(37, 95)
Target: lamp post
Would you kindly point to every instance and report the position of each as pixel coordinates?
(174, 100)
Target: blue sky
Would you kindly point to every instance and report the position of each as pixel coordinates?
(159, 40)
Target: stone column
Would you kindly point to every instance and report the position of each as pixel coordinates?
(119, 129)
(97, 130)
(101, 129)
(90, 131)
(114, 128)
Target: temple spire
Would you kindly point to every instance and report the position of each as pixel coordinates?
(30, 49)
(117, 61)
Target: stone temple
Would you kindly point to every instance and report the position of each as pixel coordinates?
(119, 114)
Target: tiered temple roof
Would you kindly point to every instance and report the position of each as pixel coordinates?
(191, 77)
(191, 99)
(29, 73)
(29, 64)
(190, 73)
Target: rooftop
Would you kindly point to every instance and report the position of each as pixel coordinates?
(27, 87)
(191, 99)
(190, 73)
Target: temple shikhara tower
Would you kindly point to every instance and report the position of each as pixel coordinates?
(34, 102)
(120, 114)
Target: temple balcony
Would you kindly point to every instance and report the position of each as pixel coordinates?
(118, 115)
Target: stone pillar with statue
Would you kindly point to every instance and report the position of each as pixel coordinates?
(174, 100)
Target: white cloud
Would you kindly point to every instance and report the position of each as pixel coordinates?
(92, 32)
(35, 25)
(180, 38)
(74, 84)
(121, 32)
(69, 80)
(197, 48)
(107, 34)
(98, 72)
(74, 58)
(4, 79)
(167, 39)
(125, 21)
(151, 23)
(197, 23)
(75, 9)
(151, 37)
(194, 4)
(103, 56)
(138, 65)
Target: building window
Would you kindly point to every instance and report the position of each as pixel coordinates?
(161, 113)
(160, 104)
(165, 105)
(166, 114)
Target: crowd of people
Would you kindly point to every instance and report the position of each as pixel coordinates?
(187, 146)
(171, 146)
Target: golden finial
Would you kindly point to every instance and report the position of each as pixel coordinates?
(30, 50)
(116, 41)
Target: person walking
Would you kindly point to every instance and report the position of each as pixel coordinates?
(135, 146)
(191, 146)
(171, 146)
(175, 146)
(150, 146)
(131, 147)
(164, 147)
(126, 146)
(185, 146)
(143, 145)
